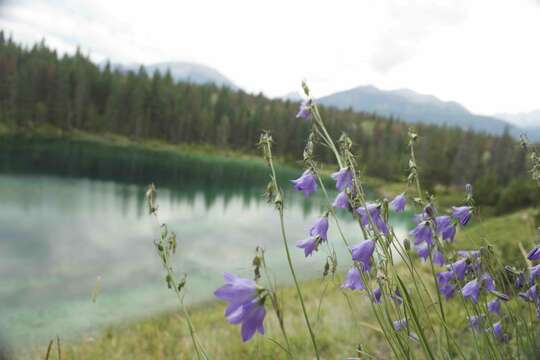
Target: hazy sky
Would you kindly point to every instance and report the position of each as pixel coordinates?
(483, 54)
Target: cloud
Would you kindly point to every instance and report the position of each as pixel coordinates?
(408, 25)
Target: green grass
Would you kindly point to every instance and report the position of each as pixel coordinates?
(342, 321)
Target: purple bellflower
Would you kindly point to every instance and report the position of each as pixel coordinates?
(373, 211)
(472, 290)
(447, 290)
(462, 214)
(343, 178)
(422, 250)
(487, 281)
(445, 277)
(534, 272)
(423, 233)
(309, 245)
(494, 306)
(459, 268)
(362, 253)
(353, 280)
(305, 110)
(534, 254)
(320, 228)
(399, 202)
(449, 233)
(438, 257)
(442, 222)
(531, 295)
(306, 183)
(245, 307)
(341, 201)
(377, 294)
(498, 332)
(445, 227)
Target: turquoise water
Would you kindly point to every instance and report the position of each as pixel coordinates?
(72, 217)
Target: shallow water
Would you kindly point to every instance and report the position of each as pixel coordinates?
(70, 216)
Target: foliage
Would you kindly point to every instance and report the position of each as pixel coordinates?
(37, 87)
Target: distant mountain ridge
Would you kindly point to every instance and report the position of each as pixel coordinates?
(403, 104)
(410, 106)
(181, 71)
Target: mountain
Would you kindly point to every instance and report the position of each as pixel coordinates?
(528, 121)
(181, 71)
(413, 107)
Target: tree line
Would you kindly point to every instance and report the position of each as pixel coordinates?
(37, 86)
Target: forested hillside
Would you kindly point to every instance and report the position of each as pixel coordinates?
(37, 86)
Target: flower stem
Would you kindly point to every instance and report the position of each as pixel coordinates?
(279, 205)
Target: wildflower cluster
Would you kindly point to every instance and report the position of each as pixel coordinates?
(410, 299)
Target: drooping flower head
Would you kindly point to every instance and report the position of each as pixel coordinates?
(534, 272)
(422, 250)
(498, 332)
(306, 183)
(353, 280)
(438, 257)
(377, 293)
(423, 233)
(343, 178)
(459, 268)
(320, 228)
(372, 210)
(534, 254)
(362, 253)
(447, 290)
(442, 222)
(305, 110)
(471, 290)
(494, 306)
(309, 245)
(531, 295)
(445, 277)
(462, 214)
(341, 201)
(449, 233)
(399, 203)
(245, 305)
(487, 281)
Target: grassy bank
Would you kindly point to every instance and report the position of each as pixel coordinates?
(342, 319)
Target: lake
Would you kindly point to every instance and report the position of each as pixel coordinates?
(72, 213)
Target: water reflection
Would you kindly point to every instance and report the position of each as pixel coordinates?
(70, 214)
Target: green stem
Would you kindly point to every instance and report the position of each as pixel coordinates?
(199, 349)
(287, 252)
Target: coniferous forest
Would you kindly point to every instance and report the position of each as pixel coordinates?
(37, 86)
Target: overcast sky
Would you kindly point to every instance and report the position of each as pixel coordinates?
(483, 54)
